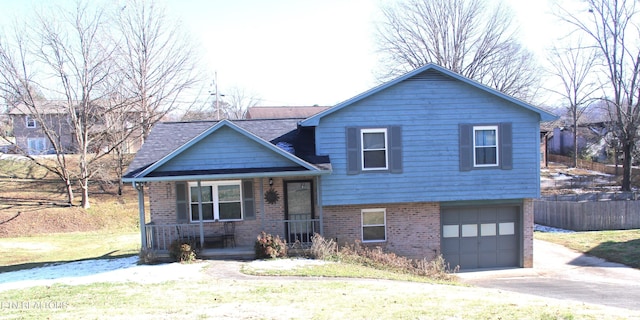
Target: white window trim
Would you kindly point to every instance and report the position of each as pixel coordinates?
(386, 148)
(497, 146)
(214, 197)
(28, 120)
(40, 141)
(362, 212)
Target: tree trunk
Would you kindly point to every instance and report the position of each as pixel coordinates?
(69, 189)
(84, 184)
(627, 151)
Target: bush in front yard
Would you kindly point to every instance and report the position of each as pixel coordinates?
(182, 251)
(268, 246)
(376, 257)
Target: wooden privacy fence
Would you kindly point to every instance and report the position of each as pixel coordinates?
(595, 212)
(584, 164)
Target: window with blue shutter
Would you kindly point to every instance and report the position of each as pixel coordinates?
(485, 146)
(374, 149)
(248, 200)
(182, 203)
(221, 200)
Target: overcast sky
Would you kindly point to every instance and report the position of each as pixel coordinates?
(293, 52)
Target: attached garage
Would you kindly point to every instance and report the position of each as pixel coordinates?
(482, 236)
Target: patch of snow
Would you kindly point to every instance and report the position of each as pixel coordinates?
(541, 228)
(102, 270)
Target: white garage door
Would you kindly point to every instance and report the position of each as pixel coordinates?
(481, 237)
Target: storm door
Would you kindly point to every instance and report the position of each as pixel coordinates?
(299, 211)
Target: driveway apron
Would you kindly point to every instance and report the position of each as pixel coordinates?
(561, 273)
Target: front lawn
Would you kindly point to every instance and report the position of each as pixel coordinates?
(621, 246)
(29, 252)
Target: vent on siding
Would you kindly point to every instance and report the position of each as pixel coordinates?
(429, 75)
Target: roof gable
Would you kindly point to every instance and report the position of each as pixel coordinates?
(315, 120)
(183, 157)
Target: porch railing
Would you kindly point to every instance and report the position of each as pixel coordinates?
(160, 236)
(297, 231)
(300, 230)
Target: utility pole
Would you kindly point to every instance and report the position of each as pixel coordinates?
(217, 97)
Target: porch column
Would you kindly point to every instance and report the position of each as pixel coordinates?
(319, 199)
(143, 228)
(200, 214)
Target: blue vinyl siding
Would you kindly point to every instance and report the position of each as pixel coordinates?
(225, 149)
(429, 113)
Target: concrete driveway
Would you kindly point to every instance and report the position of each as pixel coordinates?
(562, 273)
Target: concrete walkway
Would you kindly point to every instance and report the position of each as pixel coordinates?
(562, 273)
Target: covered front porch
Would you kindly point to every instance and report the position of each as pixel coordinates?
(224, 186)
(283, 206)
(297, 233)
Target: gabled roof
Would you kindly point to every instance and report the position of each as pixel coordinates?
(315, 120)
(43, 107)
(168, 140)
(283, 112)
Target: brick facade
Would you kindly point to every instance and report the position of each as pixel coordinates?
(527, 233)
(162, 206)
(413, 229)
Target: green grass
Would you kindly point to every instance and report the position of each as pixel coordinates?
(621, 246)
(214, 298)
(29, 252)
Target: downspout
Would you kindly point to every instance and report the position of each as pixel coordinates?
(200, 214)
(262, 204)
(143, 228)
(319, 200)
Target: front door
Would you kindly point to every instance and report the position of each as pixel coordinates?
(299, 211)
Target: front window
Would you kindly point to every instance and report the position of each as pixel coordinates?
(221, 201)
(374, 225)
(485, 146)
(30, 122)
(374, 149)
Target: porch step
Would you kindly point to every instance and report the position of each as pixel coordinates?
(234, 253)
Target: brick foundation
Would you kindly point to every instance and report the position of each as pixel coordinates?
(527, 233)
(413, 229)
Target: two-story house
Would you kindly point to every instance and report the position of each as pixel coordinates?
(429, 163)
(34, 132)
(30, 133)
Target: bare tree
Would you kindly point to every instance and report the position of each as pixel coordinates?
(465, 36)
(79, 54)
(20, 89)
(573, 67)
(158, 59)
(67, 55)
(612, 26)
(239, 100)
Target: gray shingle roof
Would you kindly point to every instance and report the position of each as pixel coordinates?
(258, 112)
(169, 136)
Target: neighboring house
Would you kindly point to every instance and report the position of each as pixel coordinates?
(259, 112)
(30, 136)
(28, 131)
(429, 163)
(593, 132)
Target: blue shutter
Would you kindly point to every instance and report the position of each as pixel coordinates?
(395, 149)
(182, 203)
(248, 200)
(466, 147)
(506, 146)
(353, 151)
